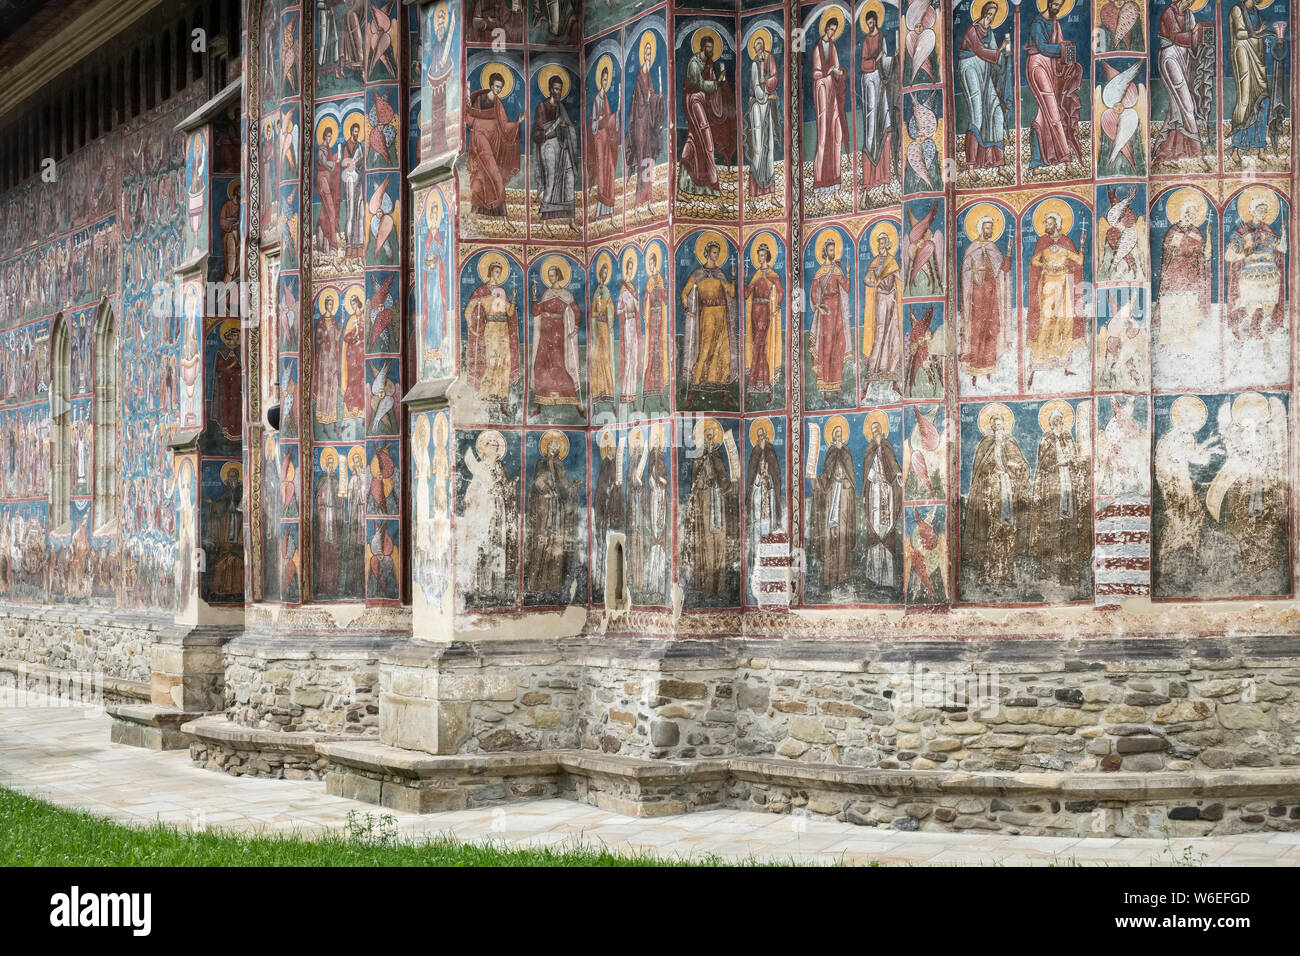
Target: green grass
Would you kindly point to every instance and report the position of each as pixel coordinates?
(35, 833)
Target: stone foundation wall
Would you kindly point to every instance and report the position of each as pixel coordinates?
(1184, 715)
(1032, 736)
(112, 643)
(259, 763)
(304, 684)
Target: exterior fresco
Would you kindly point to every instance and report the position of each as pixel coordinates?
(1016, 331)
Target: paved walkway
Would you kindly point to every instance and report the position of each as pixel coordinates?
(63, 755)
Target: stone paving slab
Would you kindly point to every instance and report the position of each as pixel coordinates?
(63, 755)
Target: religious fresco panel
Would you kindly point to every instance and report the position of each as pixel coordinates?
(434, 293)
(648, 511)
(340, 488)
(1123, 355)
(1256, 265)
(493, 188)
(557, 341)
(926, 572)
(1184, 88)
(608, 510)
(926, 361)
(830, 365)
(1056, 261)
(1256, 125)
(555, 147)
(1123, 244)
(880, 359)
(488, 490)
(602, 137)
(708, 512)
(440, 93)
(431, 481)
(555, 535)
(763, 126)
(985, 133)
(1120, 27)
(765, 318)
(708, 323)
(1120, 104)
(853, 508)
(924, 38)
(828, 141)
(988, 328)
(1185, 264)
(923, 141)
(765, 505)
(925, 453)
(707, 69)
(1056, 115)
(556, 23)
(923, 261)
(1219, 517)
(1026, 502)
(222, 490)
(882, 136)
(492, 329)
(645, 78)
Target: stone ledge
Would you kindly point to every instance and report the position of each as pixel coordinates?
(1125, 787)
(111, 686)
(219, 732)
(1086, 804)
(149, 726)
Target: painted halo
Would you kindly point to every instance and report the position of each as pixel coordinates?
(1250, 406)
(489, 259)
(548, 73)
(556, 262)
(1053, 207)
(999, 15)
(836, 422)
(999, 411)
(884, 229)
(1257, 194)
(759, 428)
(764, 240)
(507, 77)
(698, 37)
(764, 34)
(874, 417)
(1051, 408)
(978, 213)
(703, 426)
(703, 241)
(490, 445)
(1188, 411)
(872, 6)
(554, 439)
(831, 235)
(1180, 199)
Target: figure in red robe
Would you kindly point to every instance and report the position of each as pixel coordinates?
(329, 171)
(493, 151)
(602, 148)
(710, 120)
(828, 102)
(832, 312)
(227, 404)
(1053, 74)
